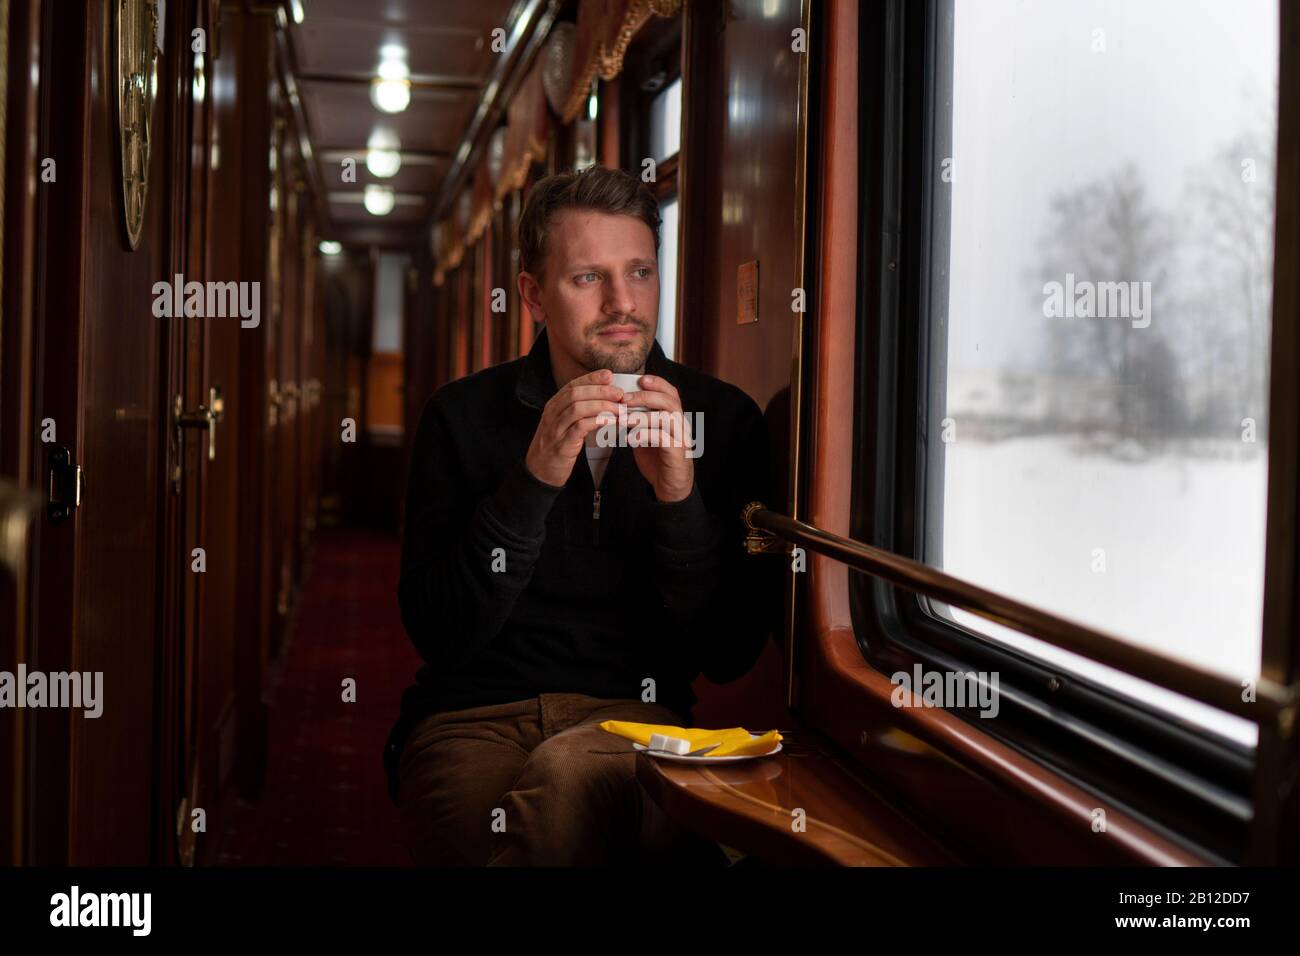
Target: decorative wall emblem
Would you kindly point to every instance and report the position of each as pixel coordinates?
(137, 34)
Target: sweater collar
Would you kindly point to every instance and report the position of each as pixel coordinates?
(536, 384)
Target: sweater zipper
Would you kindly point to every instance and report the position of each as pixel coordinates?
(595, 514)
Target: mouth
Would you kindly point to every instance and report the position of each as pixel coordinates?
(619, 333)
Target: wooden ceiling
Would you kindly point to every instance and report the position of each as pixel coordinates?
(336, 55)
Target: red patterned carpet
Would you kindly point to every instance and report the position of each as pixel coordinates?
(325, 802)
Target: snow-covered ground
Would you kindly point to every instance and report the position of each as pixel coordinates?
(1181, 537)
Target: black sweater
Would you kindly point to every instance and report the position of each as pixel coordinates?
(511, 587)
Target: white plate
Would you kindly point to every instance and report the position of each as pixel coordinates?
(682, 758)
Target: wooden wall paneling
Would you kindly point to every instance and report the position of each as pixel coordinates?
(463, 309)
(488, 318)
(609, 128)
(336, 314)
(507, 323)
(751, 163)
(736, 175)
(505, 334)
(290, 334)
(306, 463)
(207, 221)
(446, 334)
(320, 379)
(281, 514)
(360, 349)
(527, 328)
(474, 311)
(248, 119)
(218, 140)
(277, 396)
(102, 574)
(440, 336)
(20, 22)
(417, 359)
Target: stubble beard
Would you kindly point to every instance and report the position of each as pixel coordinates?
(619, 358)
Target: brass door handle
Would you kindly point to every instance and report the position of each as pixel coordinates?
(207, 416)
(290, 392)
(17, 505)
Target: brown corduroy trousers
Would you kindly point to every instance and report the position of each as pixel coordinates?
(536, 782)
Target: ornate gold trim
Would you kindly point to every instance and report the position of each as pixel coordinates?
(135, 25)
(608, 63)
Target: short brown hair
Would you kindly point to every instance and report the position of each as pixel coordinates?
(597, 187)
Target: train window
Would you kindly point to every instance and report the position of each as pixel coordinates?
(1067, 389)
(666, 122)
(651, 140)
(667, 334)
(663, 141)
(1100, 291)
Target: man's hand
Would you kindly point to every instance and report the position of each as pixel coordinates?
(670, 472)
(572, 413)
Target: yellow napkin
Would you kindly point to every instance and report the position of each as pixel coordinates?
(732, 742)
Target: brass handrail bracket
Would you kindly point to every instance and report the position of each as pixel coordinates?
(759, 540)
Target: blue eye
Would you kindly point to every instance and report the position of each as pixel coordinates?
(643, 272)
(595, 275)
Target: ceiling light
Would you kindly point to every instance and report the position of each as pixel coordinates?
(391, 96)
(299, 14)
(379, 200)
(391, 92)
(382, 156)
(393, 68)
(329, 247)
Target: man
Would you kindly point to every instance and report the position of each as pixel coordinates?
(547, 594)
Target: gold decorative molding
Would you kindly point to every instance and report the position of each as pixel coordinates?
(605, 34)
(136, 34)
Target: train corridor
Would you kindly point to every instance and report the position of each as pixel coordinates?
(324, 802)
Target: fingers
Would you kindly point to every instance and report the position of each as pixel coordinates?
(582, 410)
(563, 400)
(577, 433)
(610, 393)
(663, 401)
(599, 379)
(653, 383)
(670, 431)
(601, 376)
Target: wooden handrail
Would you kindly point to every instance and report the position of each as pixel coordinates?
(1272, 701)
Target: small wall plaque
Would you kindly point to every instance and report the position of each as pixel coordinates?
(747, 292)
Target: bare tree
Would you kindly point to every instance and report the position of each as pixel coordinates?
(1108, 231)
(1229, 217)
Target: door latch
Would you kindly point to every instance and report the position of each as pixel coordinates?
(66, 485)
(207, 416)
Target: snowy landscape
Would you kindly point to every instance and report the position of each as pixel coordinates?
(1181, 537)
(1107, 460)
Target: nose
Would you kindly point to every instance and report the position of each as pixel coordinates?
(618, 297)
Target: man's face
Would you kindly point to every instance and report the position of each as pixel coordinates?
(599, 295)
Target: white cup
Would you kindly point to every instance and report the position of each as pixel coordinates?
(628, 382)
